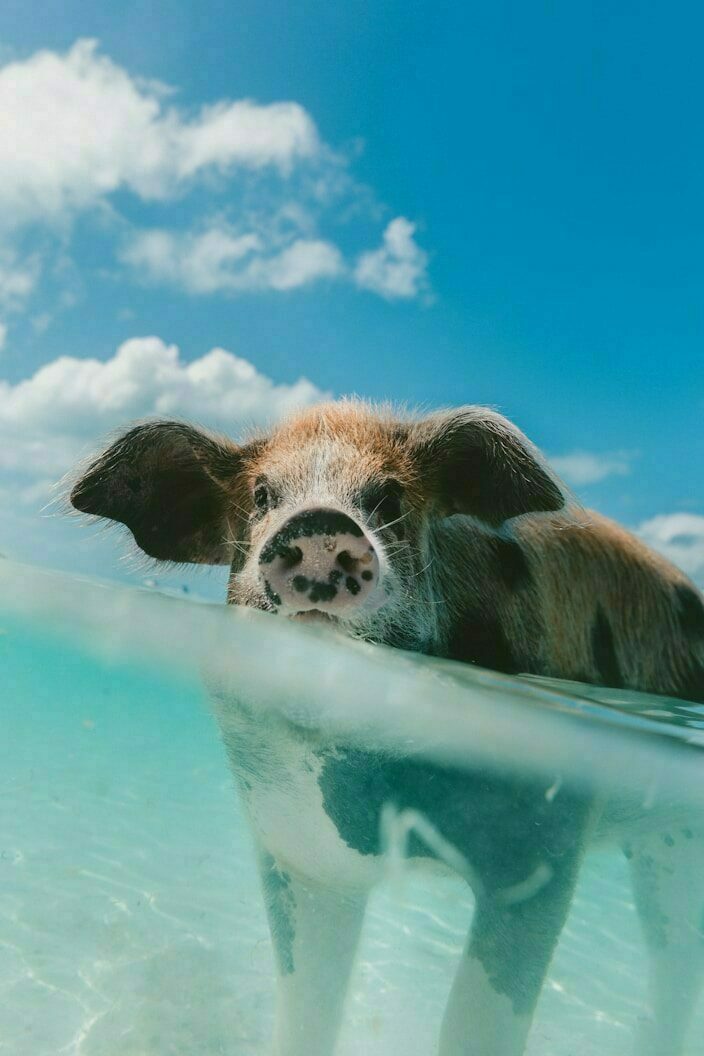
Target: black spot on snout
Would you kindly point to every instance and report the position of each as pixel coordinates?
(291, 556)
(322, 591)
(367, 575)
(271, 594)
(305, 525)
(316, 589)
(346, 561)
(352, 585)
(604, 651)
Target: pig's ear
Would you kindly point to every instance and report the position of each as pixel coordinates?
(173, 486)
(474, 461)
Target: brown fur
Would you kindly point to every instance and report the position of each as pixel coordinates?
(596, 563)
(567, 594)
(584, 568)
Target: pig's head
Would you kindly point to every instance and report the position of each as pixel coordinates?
(333, 515)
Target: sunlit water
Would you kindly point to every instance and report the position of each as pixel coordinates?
(130, 914)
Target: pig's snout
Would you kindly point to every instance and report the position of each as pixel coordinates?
(319, 559)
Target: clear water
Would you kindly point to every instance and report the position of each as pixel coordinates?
(130, 915)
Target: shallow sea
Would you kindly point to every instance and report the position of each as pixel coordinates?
(130, 916)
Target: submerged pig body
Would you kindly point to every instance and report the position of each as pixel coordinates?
(445, 535)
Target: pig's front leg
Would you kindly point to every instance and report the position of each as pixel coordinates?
(500, 976)
(520, 911)
(315, 930)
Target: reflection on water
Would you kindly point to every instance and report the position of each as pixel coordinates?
(131, 919)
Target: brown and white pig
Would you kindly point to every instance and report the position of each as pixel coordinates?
(446, 535)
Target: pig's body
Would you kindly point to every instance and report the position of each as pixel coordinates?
(573, 597)
(447, 536)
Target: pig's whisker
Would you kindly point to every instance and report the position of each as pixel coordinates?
(423, 569)
(390, 524)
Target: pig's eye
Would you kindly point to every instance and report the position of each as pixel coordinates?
(264, 498)
(382, 501)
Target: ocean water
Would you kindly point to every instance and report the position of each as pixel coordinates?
(131, 922)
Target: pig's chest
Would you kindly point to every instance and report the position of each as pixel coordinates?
(305, 807)
(317, 808)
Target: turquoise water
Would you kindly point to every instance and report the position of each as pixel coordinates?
(130, 915)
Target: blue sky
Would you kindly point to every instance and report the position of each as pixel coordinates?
(496, 203)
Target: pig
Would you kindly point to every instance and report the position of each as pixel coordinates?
(448, 535)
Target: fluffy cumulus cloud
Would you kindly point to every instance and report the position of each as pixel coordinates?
(585, 467)
(302, 262)
(398, 268)
(77, 127)
(680, 538)
(48, 420)
(221, 260)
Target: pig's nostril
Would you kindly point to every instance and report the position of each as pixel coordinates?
(346, 561)
(290, 556)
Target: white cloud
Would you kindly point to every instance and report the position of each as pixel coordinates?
(222, 260)
(398, 269)
(18, 277)
(47, 420)
(679, 537)
(76, 127)
(304, 261)
(586, 467)
(273, 256)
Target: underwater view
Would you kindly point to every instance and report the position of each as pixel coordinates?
(131, 916)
